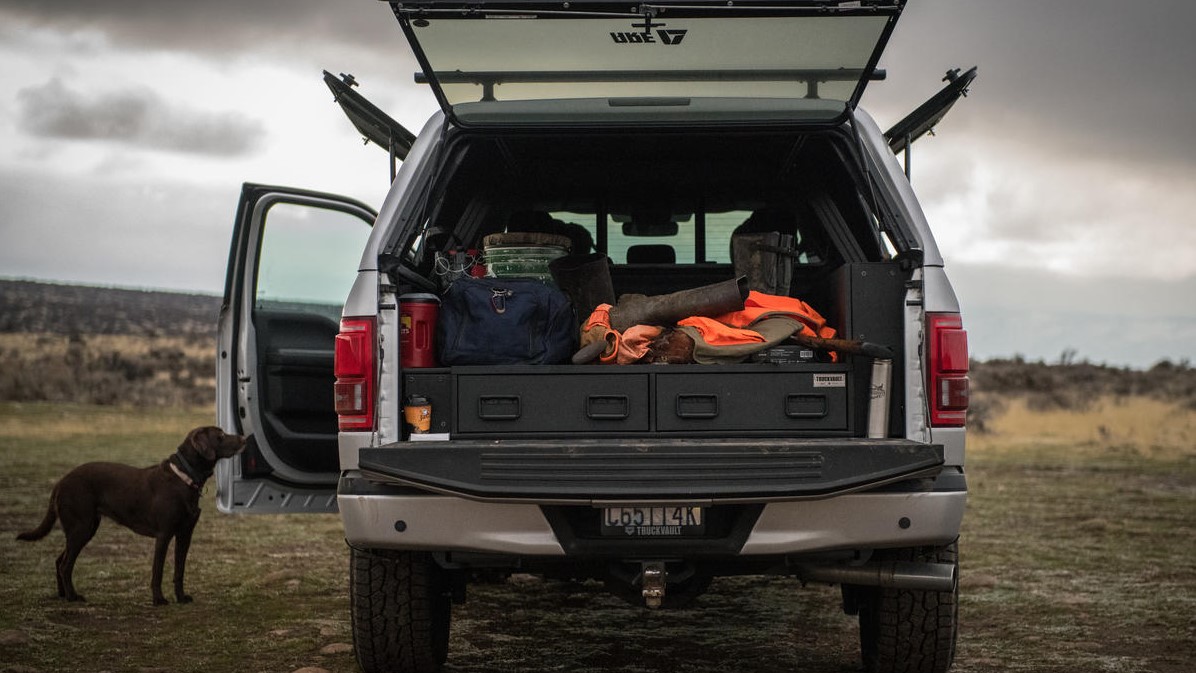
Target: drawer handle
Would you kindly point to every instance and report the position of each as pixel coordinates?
(499, 407)
(608, 407)
(805, 405)
(697, 406)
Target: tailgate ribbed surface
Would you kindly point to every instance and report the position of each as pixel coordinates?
(584, 470)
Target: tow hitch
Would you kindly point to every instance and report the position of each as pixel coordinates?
(653, 578)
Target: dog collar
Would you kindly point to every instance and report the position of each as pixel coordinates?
(181, 475)
(195, 479)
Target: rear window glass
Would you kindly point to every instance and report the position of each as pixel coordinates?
(718, 233)
(626, 246)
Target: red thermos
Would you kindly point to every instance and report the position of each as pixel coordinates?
(417, 329)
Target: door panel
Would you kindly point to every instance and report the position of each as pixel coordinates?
(295, 367)
(294, 259)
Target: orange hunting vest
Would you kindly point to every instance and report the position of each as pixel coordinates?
(726, 328)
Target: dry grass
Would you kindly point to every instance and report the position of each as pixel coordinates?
(1077, 555)
(129, 344)
(141, 370)
(269, 590)
(1147, 427)
(70, 423)
(1078, 539)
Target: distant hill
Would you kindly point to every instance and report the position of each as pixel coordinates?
(96, 345)
(51, 308)
(107, 345)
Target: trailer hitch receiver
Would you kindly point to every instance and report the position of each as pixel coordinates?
(653, 580)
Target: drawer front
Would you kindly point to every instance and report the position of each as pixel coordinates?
(554, 403)
(752, 401)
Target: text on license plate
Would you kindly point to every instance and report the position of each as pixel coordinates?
(653, 521)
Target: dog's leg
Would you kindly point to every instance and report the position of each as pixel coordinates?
(182, 543)
(78, 534)
(58, 574)
(161, 542)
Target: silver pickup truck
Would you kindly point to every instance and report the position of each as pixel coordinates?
(660, 139)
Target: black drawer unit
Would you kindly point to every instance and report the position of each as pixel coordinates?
(516, 402)
(712, 401)
(812, 399)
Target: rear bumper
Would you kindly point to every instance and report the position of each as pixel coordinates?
(395, 517)
(588, 471)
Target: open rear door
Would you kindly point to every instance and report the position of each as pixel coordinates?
(293, 260)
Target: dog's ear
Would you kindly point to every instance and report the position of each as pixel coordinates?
(189, 440)
(203, 441)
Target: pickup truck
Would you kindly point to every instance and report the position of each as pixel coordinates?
(658, 138)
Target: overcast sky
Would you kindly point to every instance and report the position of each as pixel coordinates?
(1062, 191)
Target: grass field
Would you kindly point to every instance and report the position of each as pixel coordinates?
(1078, 554)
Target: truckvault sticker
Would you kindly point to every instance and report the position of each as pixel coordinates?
(645, 36)
(830, 380)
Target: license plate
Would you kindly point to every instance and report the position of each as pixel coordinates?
(670, 521)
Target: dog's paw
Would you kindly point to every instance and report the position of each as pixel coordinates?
(158, 600)
(76, 598)
(184, 599)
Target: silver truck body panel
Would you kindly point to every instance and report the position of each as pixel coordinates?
(455, 524)
(447, 523)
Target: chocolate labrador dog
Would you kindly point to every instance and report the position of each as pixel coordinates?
(161, 502)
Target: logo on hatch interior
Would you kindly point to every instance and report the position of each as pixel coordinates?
(645, 36)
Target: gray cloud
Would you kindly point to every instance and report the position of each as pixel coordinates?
(1039, 314)
(299, 29)
(1102, 79)
(157, 233)
(135, 117)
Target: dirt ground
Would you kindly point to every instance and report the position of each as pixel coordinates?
(1076, 555)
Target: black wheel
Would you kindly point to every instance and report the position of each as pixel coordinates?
(909, 631)
(400, 607)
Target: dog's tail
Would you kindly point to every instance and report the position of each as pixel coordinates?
(47, 523)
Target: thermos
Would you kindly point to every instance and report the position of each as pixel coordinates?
(418, 414)
(417, 329)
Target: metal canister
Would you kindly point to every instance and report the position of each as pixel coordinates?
(878, 402)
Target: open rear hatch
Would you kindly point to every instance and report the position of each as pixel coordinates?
(510, 61)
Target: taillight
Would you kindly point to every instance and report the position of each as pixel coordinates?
(948, 372)
(353, 367)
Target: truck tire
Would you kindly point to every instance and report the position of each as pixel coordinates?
(400, 608)
(910, 631)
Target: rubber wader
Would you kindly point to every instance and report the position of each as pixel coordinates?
(667, 309)
(585, 279)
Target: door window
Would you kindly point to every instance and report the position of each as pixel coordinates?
(309, 258)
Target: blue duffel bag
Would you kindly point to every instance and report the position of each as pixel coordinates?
(505, 321)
